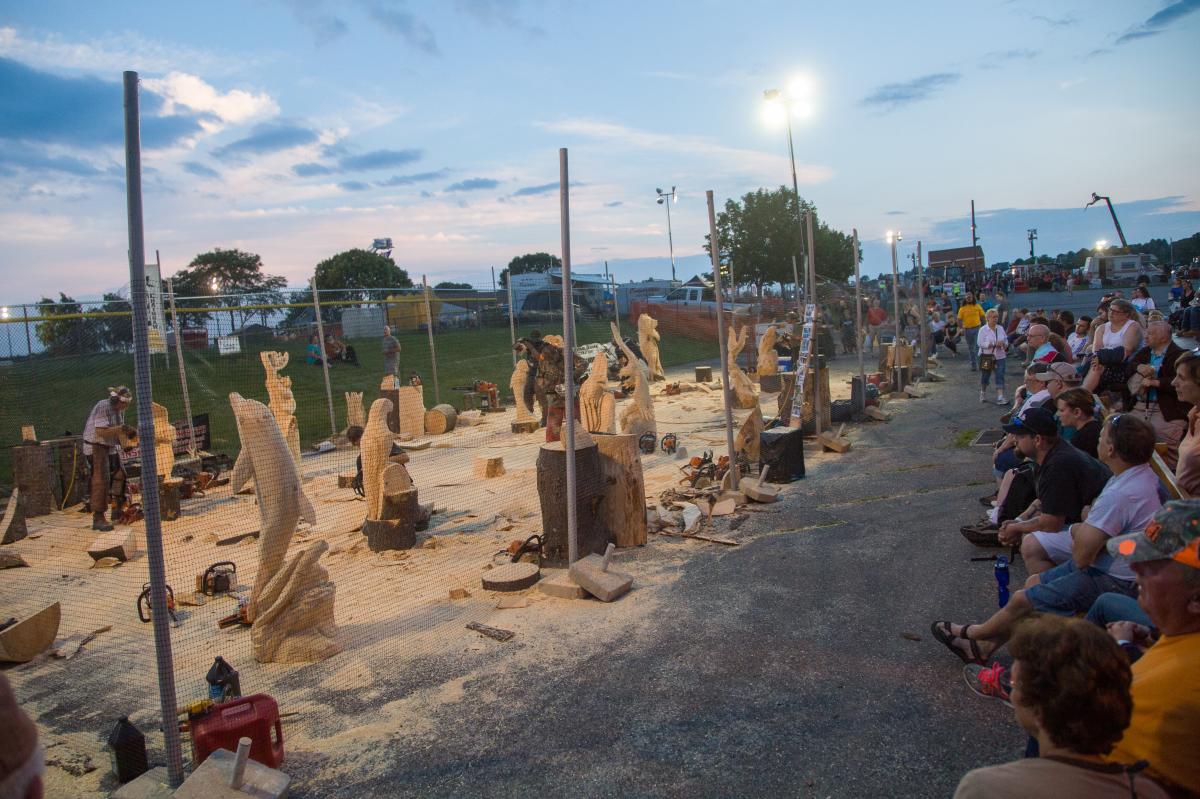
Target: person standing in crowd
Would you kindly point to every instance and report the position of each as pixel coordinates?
(102, 433)
(391, 352)
(970, 318)
(1165, 727)
(1002, 307)
(876, 316)
(1151, 372)
(993, 347)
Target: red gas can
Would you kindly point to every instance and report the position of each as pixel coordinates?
(252, 717)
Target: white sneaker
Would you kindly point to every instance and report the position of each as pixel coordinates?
(1002, 400)
(982, 397)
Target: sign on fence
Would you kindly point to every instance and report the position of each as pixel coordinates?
(156, 318)
(229, 345)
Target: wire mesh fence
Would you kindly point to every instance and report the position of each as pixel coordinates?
(314, 557)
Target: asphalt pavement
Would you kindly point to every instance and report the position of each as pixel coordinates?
(781, 667)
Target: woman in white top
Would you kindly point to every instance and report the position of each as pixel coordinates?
(1142, 300)
(1121, 329)
(993, 341)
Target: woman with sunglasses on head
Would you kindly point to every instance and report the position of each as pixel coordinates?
(1124, 330)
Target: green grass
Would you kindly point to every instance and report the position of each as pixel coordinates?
(55, 394)
(964, 439)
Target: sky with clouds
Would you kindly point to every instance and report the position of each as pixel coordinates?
(300, 128)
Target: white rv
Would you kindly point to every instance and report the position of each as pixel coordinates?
(1117, 269)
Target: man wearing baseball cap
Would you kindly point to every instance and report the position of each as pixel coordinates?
(1165, 728)
(22, 761)
(101, 436)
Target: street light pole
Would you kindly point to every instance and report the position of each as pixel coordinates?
(893, 239)
(662, 200)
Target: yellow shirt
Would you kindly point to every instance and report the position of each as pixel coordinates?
(1165, 728)
(970, 315)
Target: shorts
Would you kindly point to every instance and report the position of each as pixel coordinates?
(1057, 545)
(1065, 590)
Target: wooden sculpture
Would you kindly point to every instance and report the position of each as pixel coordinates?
(749, 436)
(768, 358)
(525, 421)
(164, 441)
(648, 339)
(739, 384)
(393, 513)
(355, 415)
(291, 605)
(638, 416)
(596, 402)
(281, 400)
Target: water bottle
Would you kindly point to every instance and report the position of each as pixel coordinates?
(1002, 579)
(223, 681)
(127, 750)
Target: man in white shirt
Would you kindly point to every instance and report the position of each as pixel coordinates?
(101, 436)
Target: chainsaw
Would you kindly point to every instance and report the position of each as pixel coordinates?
(219, 578)
(490, 395)
(143, 604)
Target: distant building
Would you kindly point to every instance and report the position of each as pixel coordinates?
(956, 265)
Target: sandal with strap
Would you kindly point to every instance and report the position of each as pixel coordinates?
(941, 631)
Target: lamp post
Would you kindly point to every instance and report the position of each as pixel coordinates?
(894, 239)
(662, 200)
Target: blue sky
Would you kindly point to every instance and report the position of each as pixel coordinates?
(300, 128)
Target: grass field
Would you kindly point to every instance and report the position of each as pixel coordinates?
(54, 394)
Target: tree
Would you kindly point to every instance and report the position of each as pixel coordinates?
(530, 262)
(361, 273)
(116, 332)
(230, 272)
(761, 235)
(72, 336)
(450, 284)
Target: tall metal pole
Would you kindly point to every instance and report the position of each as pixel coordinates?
(187, 400)
(512, 323)
(437, 395)
(811, 258)
(796, 190)
(896, 305)
(670, 238)
(923, 311)
(725, 389)
(150, 503)
(567, 434)
(858, 326)
(974, 245)
(28, 339)
(158, 304)
(799, 303)
(324, 358)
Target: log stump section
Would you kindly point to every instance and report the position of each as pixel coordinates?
(440, 419)
(623, 513)
(552, 493)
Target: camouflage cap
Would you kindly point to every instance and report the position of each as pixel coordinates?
(1173, 533)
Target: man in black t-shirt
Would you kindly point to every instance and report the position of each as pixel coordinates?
(1068, 480)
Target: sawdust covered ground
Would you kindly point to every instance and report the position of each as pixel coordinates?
(408, 657)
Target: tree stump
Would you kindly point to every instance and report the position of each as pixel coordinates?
(552, 494)
(488, 467)
(346, 479)
(398, 528)
(440, 419)
(168, 499)
(36, 477)
(624, 510)
(704, 374)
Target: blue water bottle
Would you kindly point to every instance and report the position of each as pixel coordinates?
(1002, 579)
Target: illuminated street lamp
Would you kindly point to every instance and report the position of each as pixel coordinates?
(662, 200)
(1101, 245)
(794, 102)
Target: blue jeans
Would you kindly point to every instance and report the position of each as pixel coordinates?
(972, 334)
(1117, 607)
(1066, 590)
(984, 377)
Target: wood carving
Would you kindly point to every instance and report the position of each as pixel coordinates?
(768, 358)
(648, 339)
(281, 502)
(164, 441)
(410, 410)
(739, 384)
(749, 436)
(638, 416)
(281, 400)
(624, 509)
(295, 612)
(592, 398)
(518, 381)
(12, 526)
(355, 415)
(28, 638)
(376, 447)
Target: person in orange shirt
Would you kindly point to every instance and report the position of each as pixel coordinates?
(970, 319)
(1165, 728)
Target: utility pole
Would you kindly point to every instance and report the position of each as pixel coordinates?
(974, 242)
(1032, 234)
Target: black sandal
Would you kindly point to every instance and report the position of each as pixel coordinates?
(941, 631)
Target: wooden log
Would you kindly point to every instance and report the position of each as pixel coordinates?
(12, 526)
(27, 639)
(440, 419)
(408, 410)
(398, 528)
(511, 577)
(593, 535)
(770, 383)
(36, 477)
(120, 544)
(346, 479)
(624, 508)
(488, 467)
(704, 374)
(28, 433)
(168, 498)
(528, 426)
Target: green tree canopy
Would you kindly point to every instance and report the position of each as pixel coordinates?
(227, 272)
(530, 262)
(69, 336)
(761, 234)
(450, 284)
(361, 273)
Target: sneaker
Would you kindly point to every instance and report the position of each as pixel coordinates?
(983, 534)
(1001, 400)
(991, 682)
(983, 396)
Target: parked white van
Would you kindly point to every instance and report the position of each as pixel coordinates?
(1118, 269)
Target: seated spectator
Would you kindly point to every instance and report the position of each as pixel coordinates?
(313, 353)
(1142, 300)
(1038, 346)
(1165, 727)
(22, 761)
(1085, 569)
(1187, 388)
(1150, 373)
(1078, 340)
(1077, 419)
(1070, 691)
